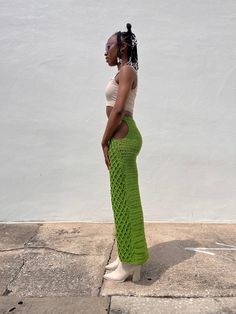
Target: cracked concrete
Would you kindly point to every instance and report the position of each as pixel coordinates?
(59, 268)
(16, 236)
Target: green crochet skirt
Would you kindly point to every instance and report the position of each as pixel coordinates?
(125, 195)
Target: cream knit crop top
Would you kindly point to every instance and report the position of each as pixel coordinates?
(111, 91)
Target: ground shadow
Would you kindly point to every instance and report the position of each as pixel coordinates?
(164, 256)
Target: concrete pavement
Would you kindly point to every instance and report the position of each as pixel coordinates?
(59, 268)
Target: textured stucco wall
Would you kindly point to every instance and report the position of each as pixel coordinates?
(53, 75)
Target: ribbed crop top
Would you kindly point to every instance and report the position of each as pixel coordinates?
(111, 91)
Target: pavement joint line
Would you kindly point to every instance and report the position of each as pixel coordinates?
(103, 279)
(7, 291)
(109, 305)
(172, 297)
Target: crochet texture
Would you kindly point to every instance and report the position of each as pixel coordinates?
(125, 195)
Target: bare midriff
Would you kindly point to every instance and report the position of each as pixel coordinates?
(125, 112)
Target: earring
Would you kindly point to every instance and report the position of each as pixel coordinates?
(119, 60)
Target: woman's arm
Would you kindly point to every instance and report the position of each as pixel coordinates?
(126, 79)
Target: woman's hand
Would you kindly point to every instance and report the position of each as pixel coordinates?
(105, 147)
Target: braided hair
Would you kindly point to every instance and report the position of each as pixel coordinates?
(131, 41)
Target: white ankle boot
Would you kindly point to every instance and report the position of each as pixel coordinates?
(122, 272)
(114, 264)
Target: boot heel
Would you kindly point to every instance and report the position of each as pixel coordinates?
(136, 273)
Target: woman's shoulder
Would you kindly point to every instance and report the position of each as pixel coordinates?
(127, 68)
(128, 71)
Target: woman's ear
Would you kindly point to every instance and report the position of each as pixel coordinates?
(123, 46)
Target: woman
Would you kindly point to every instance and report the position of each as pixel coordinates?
(121, 144)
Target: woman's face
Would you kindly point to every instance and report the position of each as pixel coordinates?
(111, 51)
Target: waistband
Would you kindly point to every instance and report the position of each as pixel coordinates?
(130, 121)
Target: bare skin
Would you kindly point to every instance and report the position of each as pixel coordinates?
(127, 80)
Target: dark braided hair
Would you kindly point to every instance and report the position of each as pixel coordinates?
(131, 41)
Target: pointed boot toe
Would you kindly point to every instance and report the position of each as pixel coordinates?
(113, 265)
(123, 271)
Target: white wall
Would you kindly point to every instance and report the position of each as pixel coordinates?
(52, 80)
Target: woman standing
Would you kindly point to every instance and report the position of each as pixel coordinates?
(121, 143)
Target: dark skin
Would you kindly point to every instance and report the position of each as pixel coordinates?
(127, 80)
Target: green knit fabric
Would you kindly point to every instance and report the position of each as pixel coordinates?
(125, 195)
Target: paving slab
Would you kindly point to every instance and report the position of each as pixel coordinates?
(147, 305)
(49, 273)
(174, 271)
(54, 305)
(55, 259)
(13, 239)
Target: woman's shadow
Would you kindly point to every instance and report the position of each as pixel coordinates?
(164, 256)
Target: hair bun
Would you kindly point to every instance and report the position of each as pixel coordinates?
(128, 25)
